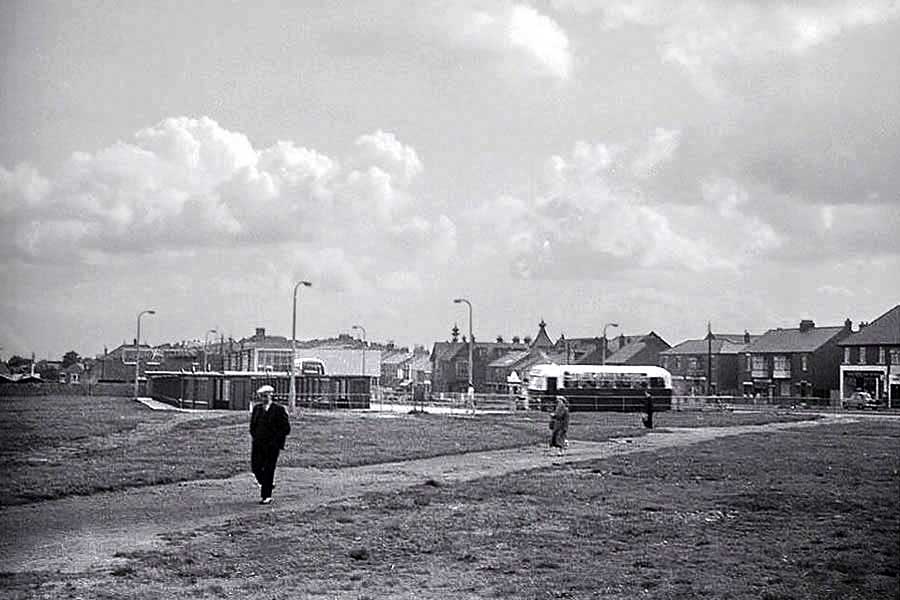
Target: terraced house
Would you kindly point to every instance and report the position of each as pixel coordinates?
(795, 363)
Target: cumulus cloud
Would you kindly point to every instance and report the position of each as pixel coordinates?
(190, 183)
(593, 216)
(522, 30)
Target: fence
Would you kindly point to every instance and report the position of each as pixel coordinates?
(46, 388)
(460, 402)
(685, 403)
(450, 401)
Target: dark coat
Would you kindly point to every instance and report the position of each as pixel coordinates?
(559, 422)
(269, 428)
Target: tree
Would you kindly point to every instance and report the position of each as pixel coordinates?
(18, 364)
(70, 358)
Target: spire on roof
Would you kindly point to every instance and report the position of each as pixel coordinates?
(542, 340)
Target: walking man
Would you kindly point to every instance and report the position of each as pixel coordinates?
(269, 426)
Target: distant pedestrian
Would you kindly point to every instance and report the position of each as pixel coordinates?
(647, 420)
(269, 426)
(559, 426)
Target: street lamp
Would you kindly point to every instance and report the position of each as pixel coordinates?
(606, 342)
(205, 351)
(471, 366)
(137, 349)
(363, 330)
(292, 401)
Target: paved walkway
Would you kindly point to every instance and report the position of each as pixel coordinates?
(83, 532)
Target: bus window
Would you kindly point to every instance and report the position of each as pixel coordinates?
(657, 382)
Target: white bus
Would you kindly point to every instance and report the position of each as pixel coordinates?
(600, 387)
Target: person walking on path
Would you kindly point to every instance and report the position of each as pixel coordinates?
(648, 408)
(559, 425)
(269, 426)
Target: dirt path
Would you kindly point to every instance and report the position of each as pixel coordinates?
(80, 533)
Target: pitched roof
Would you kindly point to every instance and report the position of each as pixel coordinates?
(510, 358)
(794, 340)
(395, 357)
(722, 343)
(883, 331)
(626, 352)
(542, 340)
(445, 350)
(729, 347)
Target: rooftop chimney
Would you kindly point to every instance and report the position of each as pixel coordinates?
(806, 325)
(260, 332)
(746, 337)
(848, 325)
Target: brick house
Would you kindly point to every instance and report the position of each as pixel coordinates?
(794, 363)
(627, 350)
(719, 358)
(450, 364)
(394, 367)
(117, 365)
(871, 359)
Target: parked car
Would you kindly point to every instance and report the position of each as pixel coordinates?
(860, 401)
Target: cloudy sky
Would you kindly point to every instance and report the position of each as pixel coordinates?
(653, 163)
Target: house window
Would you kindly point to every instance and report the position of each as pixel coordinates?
(894, 353)
(74, 377)
(785, 388)
(880, 355)
(677, 362)
(693, 363)
(780, 363)
(749, 363)
(862, 355)
(804, 363)
(462, 369)
(759, 363)
(847, 355)
(665, 362)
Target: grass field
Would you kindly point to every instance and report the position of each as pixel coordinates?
(806, 513)
(52, 447)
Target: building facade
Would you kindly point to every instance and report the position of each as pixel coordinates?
(707, 366)
(795, 363)
(870, 359)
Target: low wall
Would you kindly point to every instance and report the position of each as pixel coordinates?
(66, 389)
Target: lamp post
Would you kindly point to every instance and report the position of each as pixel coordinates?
(292, 401)
(137, 349)
(471, 341)
(709, 340)
(205, 351)
(605, 342)
(363, 330)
